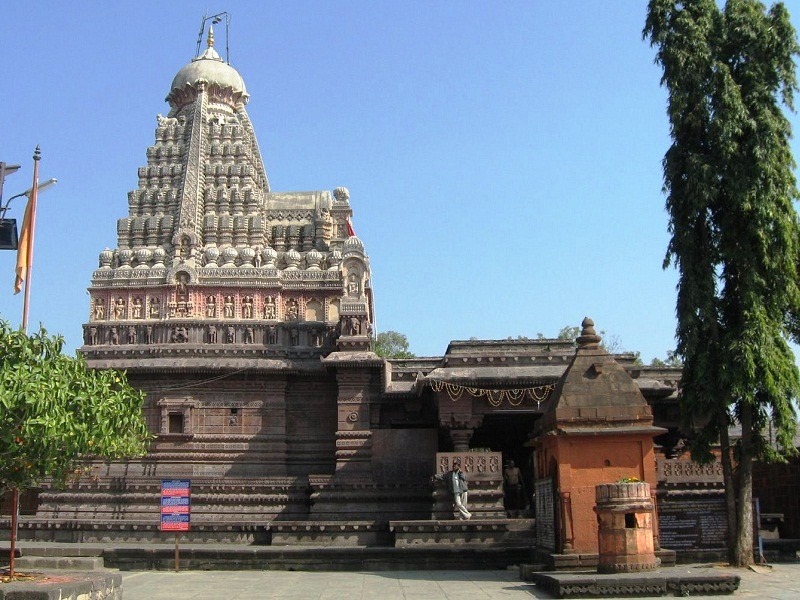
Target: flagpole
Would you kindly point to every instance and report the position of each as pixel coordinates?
(37, 156)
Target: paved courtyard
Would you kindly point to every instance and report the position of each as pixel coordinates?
(781, 582)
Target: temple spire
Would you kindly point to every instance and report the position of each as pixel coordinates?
(210, 40)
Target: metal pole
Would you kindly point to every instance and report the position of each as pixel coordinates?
(14, 518)
(37, 156)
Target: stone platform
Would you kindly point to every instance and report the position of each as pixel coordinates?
(66, 586)
(472, 533)
(672, 581)
(232, 557)
(588, 561)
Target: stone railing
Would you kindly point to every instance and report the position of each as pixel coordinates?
(676, 471)
(477, 465)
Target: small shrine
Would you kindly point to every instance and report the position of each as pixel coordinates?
(597, 428)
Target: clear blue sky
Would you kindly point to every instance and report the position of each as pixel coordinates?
(503, 158)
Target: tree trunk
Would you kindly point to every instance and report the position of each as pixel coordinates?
(730, 487)
(743, 553)
(13, 545)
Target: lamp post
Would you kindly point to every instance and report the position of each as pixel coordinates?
(8, 227)
(5, 169)
(24, 262)
(25, 252)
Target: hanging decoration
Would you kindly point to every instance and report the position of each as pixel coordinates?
(495, 397)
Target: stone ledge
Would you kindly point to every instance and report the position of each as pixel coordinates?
(91, 586)
(474, 532)
(677, 582)
(309, 558)
(326, 533)
(566, 562)
(60, 563)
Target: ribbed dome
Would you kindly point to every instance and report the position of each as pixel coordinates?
(353, 244)
(209, 67)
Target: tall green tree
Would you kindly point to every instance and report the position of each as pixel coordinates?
(55, 413)
(728, 177)
(391, 344)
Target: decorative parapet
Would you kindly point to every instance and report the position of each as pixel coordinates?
(622, 496)
(676, 471)
(477, 465)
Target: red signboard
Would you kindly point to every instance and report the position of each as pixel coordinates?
(175, 504)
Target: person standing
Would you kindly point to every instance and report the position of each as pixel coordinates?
(456, 482)
(515, 493)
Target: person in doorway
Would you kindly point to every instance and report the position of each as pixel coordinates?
(515, 494)
(456, 482)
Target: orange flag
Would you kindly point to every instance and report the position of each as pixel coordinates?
(23, 258)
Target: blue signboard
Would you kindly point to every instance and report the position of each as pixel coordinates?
(175, 504)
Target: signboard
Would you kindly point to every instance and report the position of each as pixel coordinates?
(545, 514)
(175, 504)
(692, 523)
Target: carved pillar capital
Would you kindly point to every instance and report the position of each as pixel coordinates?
(461, 439)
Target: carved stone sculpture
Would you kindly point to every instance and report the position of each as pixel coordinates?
(247, 307)
(99, 310)
(292, 310)
(137, 308)
(270, 311)
(119, 309)
(354, 324)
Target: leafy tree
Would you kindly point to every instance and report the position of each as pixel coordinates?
(55, 412)
(391, 344)
(569, 333)
(728, 176)
(672, 360)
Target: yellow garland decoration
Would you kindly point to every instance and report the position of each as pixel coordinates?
(515, 397)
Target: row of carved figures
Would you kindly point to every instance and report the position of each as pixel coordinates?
(211, 334)
(249, 307)
(352, 325)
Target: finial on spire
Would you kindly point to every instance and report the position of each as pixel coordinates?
(210, 40)
(588, 336)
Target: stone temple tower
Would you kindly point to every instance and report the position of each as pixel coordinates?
(209, 259)
(234, 307)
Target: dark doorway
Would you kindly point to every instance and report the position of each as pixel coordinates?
(506, 433)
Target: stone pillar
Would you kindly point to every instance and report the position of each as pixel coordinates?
(353, 434)
(273, 426)
(625, 528)
(461, 438)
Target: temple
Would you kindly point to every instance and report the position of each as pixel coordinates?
(246, 316)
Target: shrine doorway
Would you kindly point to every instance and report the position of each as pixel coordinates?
(506, 433)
